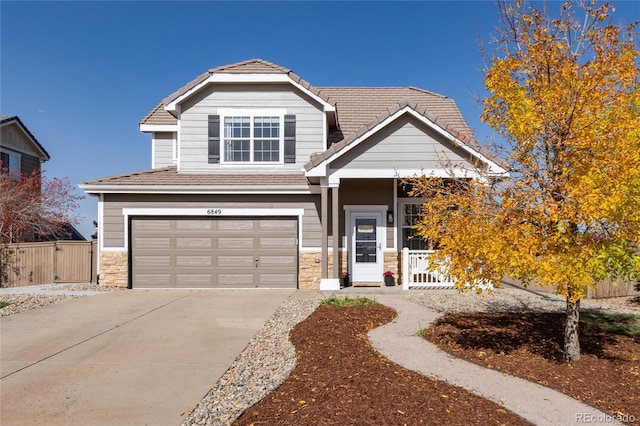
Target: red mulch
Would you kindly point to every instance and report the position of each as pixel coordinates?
(529, 345)
(341, 380)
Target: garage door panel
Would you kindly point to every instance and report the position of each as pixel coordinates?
(193, 280)
(276, 261)
(194, 243)
(197, 261)
(193, 225)
(153, 261)
(236, 262)
(214, 252)
(277, 225)
(277, 280)
(277, 242)
(235, 243)
(153, 243)
(235, 280)
(152, 225)
(153, 280)
(236, 225)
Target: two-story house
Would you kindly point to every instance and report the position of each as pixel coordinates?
(260, 179)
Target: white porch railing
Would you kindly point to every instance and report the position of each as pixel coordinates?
(415, 273)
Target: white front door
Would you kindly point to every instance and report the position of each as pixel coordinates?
(366, 247)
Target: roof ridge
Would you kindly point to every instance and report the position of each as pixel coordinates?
(429, 92)
(247, 62)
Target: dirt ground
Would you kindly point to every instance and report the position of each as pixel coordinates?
(341, 380)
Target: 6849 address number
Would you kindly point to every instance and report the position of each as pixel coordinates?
(214, 212)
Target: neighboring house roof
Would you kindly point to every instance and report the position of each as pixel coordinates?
(169, 178)
(5, 120)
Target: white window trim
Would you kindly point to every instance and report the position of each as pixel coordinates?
(252, 113)
(212, 212)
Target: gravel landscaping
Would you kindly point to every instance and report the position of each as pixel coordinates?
(20, 302)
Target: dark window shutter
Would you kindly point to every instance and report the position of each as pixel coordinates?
(214, 139)
(289, 138)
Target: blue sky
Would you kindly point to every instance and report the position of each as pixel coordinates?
(81, 75)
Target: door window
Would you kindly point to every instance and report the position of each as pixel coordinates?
(366, 240)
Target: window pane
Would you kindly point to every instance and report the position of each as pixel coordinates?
(266, 150)
(236, 150)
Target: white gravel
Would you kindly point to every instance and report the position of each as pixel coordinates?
(22, 299)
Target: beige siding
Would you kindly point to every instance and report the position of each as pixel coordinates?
(113, 219)
(404, 144)
(13, 139)
(162, 146)
(195, 112)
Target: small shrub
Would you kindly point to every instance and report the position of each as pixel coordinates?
(333, 300)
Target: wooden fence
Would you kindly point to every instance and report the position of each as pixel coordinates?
(51, 262)
(603, 290)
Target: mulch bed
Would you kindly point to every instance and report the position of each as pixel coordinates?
(607, 376)
(340, 379)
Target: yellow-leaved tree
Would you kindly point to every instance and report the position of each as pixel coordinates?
(564, 97)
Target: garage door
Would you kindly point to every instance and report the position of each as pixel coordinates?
(214, 252)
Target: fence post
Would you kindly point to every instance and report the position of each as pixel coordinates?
(405, 268)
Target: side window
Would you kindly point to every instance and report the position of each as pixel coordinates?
(10, 162)
(410, 238)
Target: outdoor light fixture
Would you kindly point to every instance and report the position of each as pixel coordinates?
(389, 216)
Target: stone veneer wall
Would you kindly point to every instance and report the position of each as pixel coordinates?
(114, 268)
(311, 268)
(393, 263)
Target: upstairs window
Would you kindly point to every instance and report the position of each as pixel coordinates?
(10, 163)
(254, 139)
(262, 137)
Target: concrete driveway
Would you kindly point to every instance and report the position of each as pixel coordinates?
(124, 358)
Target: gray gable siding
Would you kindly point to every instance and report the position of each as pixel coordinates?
(14, 140)
(162, 146)
(405, 143)
(195, 111)
(113, 221)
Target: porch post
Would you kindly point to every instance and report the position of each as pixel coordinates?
(335, 240)
(405, 268)
(324, 232)
(326, 283)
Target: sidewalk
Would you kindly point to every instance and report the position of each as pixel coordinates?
(538, 404)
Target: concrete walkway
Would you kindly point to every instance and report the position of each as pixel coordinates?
(538, 404)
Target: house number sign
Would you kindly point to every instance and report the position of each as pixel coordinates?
(214, 212)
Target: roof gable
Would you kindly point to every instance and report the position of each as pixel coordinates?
(320, 161)
(7, 120)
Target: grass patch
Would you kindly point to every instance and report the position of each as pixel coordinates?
(334, 300)
(625, 324)
(3, 304)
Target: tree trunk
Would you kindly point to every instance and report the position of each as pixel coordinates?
(571, 341)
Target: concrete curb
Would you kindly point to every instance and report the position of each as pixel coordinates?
(538, 404)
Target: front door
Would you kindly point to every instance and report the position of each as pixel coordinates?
(366, 247)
